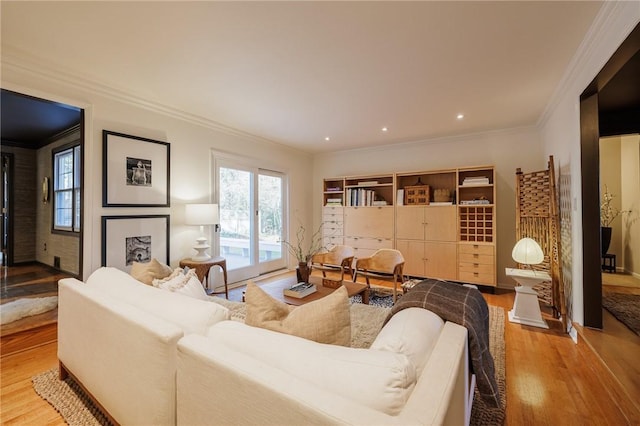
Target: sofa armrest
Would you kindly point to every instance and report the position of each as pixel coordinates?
(124, 356)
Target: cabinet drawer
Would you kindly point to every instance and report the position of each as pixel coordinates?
(330, 242)
(476, 249)
(476, 277)
(476, 267)
(368, 243)
(476, 258)
(339, 210)
(332, 217)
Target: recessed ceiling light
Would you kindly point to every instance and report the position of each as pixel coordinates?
(460, 116)
(384, 129)
(327, 138)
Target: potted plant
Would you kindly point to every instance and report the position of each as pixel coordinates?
(303, 250)
(608, 213)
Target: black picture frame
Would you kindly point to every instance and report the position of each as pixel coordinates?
(134, 238)
(136, 171)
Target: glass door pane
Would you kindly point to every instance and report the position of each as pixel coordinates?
(270, 217)
(236, 220)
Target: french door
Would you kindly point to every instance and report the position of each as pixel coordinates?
(252, 216)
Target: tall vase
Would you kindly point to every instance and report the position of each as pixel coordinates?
(303, 272)
(605, 236)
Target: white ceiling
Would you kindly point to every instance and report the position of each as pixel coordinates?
(296, 72)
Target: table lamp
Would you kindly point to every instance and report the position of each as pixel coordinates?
(527, 252)
(202, 215)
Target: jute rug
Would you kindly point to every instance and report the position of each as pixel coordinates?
(77, 409)
(625, 307)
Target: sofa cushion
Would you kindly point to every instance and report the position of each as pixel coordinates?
(325, 320)
(412, 332)
(192, 315)
(147, 272)
(183, 283)
(382, 380)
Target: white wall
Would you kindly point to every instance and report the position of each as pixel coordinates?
(192, 141)
(630, 202)
(560, 124)
(507, 150)
(611, 178)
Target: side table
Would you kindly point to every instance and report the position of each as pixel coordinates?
(609, 263)
(526, 308)
(202, 271)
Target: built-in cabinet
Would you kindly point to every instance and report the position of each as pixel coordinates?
(442, 221)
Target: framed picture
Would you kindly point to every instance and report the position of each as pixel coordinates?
(126, 239)
(135, 171)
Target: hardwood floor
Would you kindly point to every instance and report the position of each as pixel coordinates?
(550, 379)
(31, 280)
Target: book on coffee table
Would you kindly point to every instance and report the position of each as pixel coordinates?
(300, 290)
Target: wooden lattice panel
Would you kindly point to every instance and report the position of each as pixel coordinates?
(537, 217)
(535, 200)
(476, 224)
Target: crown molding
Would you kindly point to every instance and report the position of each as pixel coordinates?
(610, 22)
(466, 137)
(23, 62)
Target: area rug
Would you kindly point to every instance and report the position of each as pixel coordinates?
(77, 409)
(625, 307)
(26, 307)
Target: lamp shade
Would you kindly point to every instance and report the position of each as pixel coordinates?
(528, 252)
(201, 214)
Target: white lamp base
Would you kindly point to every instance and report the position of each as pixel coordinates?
(201, 248)
(526, 308)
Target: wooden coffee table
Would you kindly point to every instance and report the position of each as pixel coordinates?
(275, 289)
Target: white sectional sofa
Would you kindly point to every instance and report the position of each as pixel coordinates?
(148, 356)
(118, 337)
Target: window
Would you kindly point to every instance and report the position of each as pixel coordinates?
(66, 189)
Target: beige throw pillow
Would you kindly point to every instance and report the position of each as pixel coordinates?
(147, 272)
(326, 320)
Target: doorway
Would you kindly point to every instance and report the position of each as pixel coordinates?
(252, 218)
(610, 105)
(32, 130)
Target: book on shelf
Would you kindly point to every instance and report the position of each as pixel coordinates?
(378, 203)
(333, 189)
(400, 197)
(479, 180)
(367, 182)
(441, 203)
(300, 290)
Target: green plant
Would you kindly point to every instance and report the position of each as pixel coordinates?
(302, 250)
(609, 212)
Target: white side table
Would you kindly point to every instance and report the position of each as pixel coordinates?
(526, 308)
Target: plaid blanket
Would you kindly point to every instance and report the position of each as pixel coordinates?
(465, 306)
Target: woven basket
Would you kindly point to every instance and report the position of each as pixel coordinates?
(416, 195)
(441, 195)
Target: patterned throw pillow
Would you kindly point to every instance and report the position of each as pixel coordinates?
(187, 284)
(326, 320)
(147, 272)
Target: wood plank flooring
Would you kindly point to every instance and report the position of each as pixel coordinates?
(550, 379)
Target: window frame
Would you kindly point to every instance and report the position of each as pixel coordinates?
(75, 149)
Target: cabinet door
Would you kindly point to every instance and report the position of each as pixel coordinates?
(441, 223)
(441, 260)
(410, 223)
(413, 253)
(374, 222)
